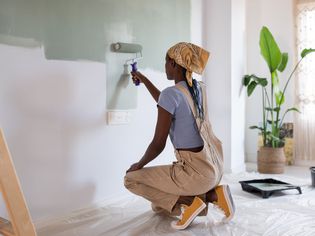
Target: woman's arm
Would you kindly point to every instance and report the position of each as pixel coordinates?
(159, 140)
(152, 89)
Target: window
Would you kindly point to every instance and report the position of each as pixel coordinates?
(305, 82)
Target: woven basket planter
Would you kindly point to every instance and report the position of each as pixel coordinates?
(271, 160)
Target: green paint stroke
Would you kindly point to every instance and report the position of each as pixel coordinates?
(78, 29)
(85, 29)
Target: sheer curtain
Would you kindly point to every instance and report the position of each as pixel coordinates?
(304, 123)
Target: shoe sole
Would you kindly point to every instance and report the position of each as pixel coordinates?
(190, 219)
(230, 203)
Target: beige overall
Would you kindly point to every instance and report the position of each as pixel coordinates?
(194, 173)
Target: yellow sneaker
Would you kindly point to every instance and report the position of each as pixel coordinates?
(225, 201)
(189, 213)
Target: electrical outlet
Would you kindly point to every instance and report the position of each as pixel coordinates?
(118, 117)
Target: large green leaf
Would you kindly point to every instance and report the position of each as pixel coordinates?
(269, 49)
(307, 51)
(288, 110)
(275, 80)
(256, 127)
(279, 96)
(292, 109)
(262, 81)
(248, 78)
(277, 92)
(251, 87)
(284, 62)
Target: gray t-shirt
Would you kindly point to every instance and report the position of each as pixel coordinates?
(183, 132)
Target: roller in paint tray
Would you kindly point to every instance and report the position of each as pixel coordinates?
(129, 48)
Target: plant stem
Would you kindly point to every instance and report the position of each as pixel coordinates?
(283, 118)
(264, 116)
(268, 100)
(269, 112)
(272, 121)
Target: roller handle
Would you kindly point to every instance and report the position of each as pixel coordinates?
(134, 69)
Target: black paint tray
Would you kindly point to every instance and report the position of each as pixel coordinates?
(267, 186)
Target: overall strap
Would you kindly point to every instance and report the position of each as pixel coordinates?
(214, 146)
(189, 99)
(187, 94)
(204, 99)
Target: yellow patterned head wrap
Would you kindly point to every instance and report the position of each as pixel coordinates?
(189, 56)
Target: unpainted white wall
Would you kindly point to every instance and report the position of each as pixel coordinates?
(52, 109)
(217, 38)
(54, 117)
(238, 66)
(224, 36)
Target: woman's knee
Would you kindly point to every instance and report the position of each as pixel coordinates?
(128, 180)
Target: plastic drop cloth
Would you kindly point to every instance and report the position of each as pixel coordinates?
(286, 213)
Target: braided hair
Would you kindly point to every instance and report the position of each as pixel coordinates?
(196, 95)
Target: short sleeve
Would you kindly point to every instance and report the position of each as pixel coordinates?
(167, 100)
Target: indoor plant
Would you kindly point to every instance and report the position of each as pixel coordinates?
(271, 157)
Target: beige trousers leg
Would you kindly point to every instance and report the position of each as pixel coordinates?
(193, 174)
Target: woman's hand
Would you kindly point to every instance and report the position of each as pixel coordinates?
(138, 76)
(135, 166)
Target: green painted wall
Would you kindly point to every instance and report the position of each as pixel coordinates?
(84, 30)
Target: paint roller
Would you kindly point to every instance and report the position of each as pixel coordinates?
(129, 48)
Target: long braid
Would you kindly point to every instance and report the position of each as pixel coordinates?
(196, 96)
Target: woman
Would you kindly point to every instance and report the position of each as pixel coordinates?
(189, 184)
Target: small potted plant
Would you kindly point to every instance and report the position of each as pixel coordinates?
(271, 158)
